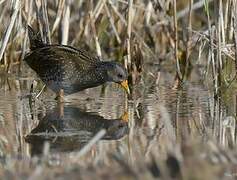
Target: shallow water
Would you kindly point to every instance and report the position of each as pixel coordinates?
(156, 116)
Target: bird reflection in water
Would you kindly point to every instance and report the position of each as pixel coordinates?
(69, 129)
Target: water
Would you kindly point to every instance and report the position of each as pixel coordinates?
(157, 116)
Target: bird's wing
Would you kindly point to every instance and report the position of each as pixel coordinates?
(82, 53)
(79, 58)
(57, 59)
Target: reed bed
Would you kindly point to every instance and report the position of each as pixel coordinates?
(179, 34)
(126, 31)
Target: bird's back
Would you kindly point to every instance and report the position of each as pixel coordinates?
(63, 67)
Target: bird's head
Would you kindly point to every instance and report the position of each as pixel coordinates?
(118, 74)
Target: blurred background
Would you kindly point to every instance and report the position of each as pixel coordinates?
(180, 119)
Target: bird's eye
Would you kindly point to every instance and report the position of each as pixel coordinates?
(120, 76)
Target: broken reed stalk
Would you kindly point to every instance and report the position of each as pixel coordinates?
(16, 7)
(176, 41)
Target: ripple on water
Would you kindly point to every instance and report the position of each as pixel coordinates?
(155, 113)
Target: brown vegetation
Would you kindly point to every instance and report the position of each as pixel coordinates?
(180, 35)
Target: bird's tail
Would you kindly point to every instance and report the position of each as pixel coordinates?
(35, 39)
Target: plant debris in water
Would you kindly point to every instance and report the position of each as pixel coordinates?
(179, 122)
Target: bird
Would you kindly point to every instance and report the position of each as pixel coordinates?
(66, 70)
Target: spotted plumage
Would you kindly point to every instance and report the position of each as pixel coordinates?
(70, 69)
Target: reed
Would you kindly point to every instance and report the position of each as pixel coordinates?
(178, 34)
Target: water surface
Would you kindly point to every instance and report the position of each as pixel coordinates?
(156, 116)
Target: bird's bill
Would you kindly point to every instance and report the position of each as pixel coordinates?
(124, 117)
(124, 84)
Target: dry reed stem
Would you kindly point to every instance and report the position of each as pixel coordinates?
(2, 1)
(176, 40)
(148, 13)
(235, 36)
(182, 13)
(129, 29)
(3, 13)
(40, 19)
(135, 5)
(29, 16)
(217, 35)
(145, 45)
(195, 6)
(98, 9)
(211, 42)
(65, 22)
(97, 44)
(227, 53)
(58, 15)
(16, 7)
(227, 6)
(111, 20)
(220, 34)
(189, 35)
(45, 21)
(117, 12)
(92, 142)
(222, 24)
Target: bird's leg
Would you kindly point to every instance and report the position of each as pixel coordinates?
(60, 96)
(61, 110)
